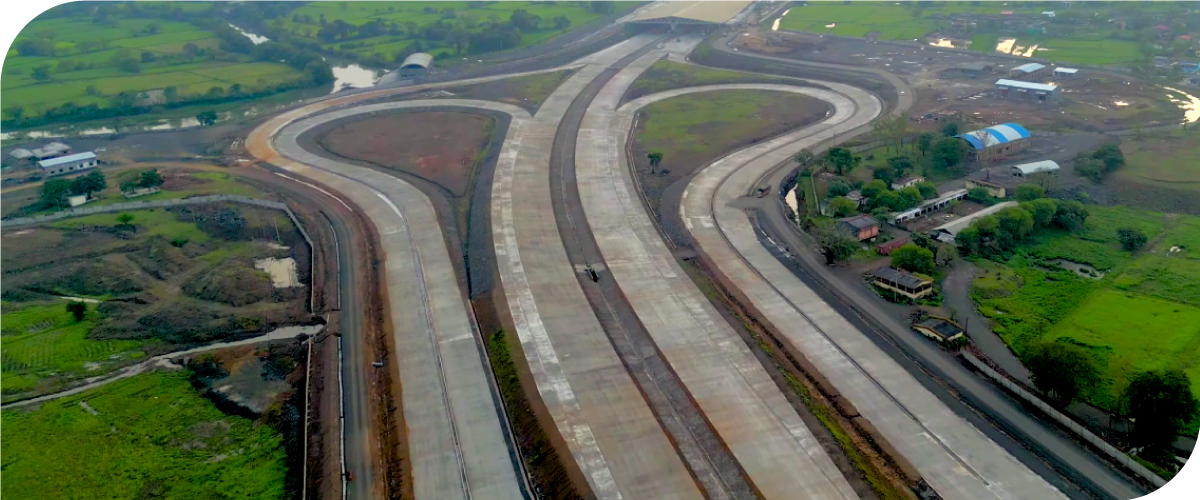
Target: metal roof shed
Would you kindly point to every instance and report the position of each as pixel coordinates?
(1029, 67)
(995, 135)
(53, 162)
(1035, 167)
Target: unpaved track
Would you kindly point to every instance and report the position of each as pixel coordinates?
(457, 445)
(750, 413)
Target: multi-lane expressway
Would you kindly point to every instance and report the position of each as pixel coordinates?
(616, 433)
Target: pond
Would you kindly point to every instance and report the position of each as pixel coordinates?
(1083, 270)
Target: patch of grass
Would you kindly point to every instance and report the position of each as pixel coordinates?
(1130, 333)
(893, 22)
(667, 75)
(1169, 278)
(151, 436)
(1044, 299)
(149, 223)
(1168, 159)
(1097, 244)
(44, 341)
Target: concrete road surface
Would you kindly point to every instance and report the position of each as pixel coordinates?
(457, 445)
(780, 455)
(955, 458)
(610, 431)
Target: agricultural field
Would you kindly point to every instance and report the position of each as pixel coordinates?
(95, 63)
(910, 21)
(305, 21)
(157, 281)
(1142, 313)
(148, 436)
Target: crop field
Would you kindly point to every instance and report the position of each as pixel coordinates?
(1144, 314)
(358, 13)
(149, 436)
(892, 22)
(91, 48)
(42, 341)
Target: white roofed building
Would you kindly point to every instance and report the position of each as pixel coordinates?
(68, 164)
(1037, 167)
(1027, 91)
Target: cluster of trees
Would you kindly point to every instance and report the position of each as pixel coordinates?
(1160, 402)
(147, 179)
(1099, 163)
(55, 191)
(914, 258)
(997, 236)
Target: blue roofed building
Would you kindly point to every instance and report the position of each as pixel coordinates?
(997, 140)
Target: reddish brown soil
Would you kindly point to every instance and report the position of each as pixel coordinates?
(437, 146)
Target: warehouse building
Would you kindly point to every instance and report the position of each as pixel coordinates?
(1037, 167)
(1002, 139)
(1028, 71)
(51, 150)
(1065, 73)
(929, 206)
(1027, 91)
(971, 69)
(68, 164)
(863, 227)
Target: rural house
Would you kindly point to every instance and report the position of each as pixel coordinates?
(939, 329)
(863, 227)
(906, 284)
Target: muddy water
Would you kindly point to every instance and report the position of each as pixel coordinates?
(353, 76)
(791, 199)
(256, 39)
(1190, 104)
(283, 271)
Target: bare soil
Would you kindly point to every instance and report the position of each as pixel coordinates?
(438, 146)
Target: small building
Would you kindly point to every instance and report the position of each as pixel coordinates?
(20, 154)
(863, 227)
(993, 189)
(906, 182)
(68, 164)
(1189, 68)
(929, 206)
(1037, 167)
(906, 284)
(415, 66)
(939, 329)
(1027, 91)
(1185, 38)
(857, 197)
(1065, 73)
(891, 246)
(77, 200)
(945, 233)
(51, 150)
(1028, 71)
(972, 69)
(1000, 139)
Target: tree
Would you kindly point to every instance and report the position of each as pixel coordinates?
(77, 310)
(873, 188)
(1061, 370)
(884, 174)
(207, 118)
(124, 219)
(950, 129)
(924, 143)
(1090, 168)
(900, 166)
(842, 160)
(1042, 210)
(655, 158)
(836, 245)
(910, 197)
(561, 23)
(838, 187)
(1070, 215)
(1111, 155)
(93, 182)
(1161, 404)
(54, 193)
(889, 200)
(892, 128)
(806, 159)
(150, 178)
(914, 259)
(524, 21)
(1015, 222)
(319, 71)
(927, 189)
(603, 7)
(42, 73)
(1030, 192)
(945, 254)
(1131, 239)
(947, 153)
(842, 207)
(978, 194)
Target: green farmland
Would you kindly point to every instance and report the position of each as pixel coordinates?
(892, 22)
(149, 436)
(412, 18)
(110, 64)
(1142, 314)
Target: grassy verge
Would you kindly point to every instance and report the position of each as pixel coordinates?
(149, 436)
(540, 456)
(667, 75)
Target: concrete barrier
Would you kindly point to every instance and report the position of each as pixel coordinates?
(1079, 430)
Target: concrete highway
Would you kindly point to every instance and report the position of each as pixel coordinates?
(749, 412)
(456, 444)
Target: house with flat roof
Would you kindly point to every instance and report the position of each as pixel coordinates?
(939, 329)
(1027, 91)
(68, 164)
(906, 284)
